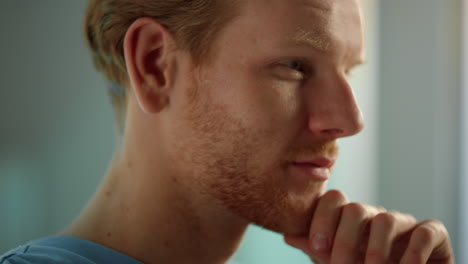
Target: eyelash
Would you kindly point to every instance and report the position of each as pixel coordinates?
(295, 65)
(306, 69)
(299, 66)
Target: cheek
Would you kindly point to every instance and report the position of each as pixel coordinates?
(275, 109)
(260, 102)
(248, 109)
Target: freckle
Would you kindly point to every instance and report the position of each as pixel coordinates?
(175, 180)
(166, 244)
(130, 165)
(108, 193)
(109, 234)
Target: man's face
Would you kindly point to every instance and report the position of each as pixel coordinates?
(257, 131)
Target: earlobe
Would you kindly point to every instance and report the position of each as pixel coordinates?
(148, 57)
(149, 98)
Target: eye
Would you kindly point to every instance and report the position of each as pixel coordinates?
(292, 69)
(295, 65)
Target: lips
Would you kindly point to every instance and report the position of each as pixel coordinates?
(315, 169)
(321, 162)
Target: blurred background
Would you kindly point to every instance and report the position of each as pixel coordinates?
(57, 129)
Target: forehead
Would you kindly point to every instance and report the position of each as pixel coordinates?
(322, 24)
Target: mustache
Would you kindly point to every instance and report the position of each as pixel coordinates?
(328, 149)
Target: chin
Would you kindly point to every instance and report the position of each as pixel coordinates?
(271, 205)
(287, 224)
(285, 216)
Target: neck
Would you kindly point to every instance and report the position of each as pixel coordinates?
(148, 214)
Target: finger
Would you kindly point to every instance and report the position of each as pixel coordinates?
(325, 221)
(351, 232)
(299, 242)
(429, 241)
(385, 228)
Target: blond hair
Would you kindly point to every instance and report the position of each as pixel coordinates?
(193, 23)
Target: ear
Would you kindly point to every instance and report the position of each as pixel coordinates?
(148, 48)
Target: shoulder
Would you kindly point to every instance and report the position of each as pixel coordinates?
(65, 250)
(36, 253)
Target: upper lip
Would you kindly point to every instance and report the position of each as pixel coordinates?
(321, 162)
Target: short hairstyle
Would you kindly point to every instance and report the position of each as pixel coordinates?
(193, 23)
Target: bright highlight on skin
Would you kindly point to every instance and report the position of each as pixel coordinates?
(314, 39)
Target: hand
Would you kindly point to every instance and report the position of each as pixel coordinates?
(343, 232)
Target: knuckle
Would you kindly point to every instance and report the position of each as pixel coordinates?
(381, 208)
(335, 196)
(438, 225)
(410, 218)
(354, 210)
(425, 233)
(386, 219)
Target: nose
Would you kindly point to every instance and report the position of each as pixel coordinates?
(333, 109)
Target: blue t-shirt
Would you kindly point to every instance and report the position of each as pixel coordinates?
(65, 250)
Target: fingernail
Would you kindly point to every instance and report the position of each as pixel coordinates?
(320, 242)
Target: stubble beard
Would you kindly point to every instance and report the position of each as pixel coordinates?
(226, 164)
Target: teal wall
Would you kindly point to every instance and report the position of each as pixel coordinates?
(264, 246)
(56, 134)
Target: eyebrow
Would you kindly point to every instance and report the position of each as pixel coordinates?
(318, 42)
(312, 39)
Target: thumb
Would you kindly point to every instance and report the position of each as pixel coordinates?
(302, 243)
(299, 242)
